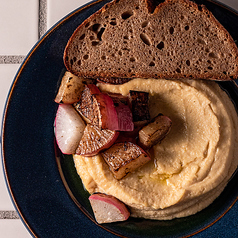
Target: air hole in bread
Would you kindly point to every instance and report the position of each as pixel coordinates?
(224, 72)
(126, 37)
(95, 27)
(209, 62)
(126, 15)
(210, 68)
(171, 30)
(79, 62)
(160, 46)
(178, 70)
(152, 63)
(113, 23)
(212, 55)
(186, 28)
(132, 59)
(85, 57)
(82, 37)
(120, 53)
(144, 24)
(95, 43)
(200, 8)
(207, 50)
(91, 38)
(182, 17)
(188, 62)
(103, 57)
(201, 41)
(99, 35)
(87, 25)
(145, 39)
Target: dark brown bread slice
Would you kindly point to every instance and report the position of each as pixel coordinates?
(133, 38)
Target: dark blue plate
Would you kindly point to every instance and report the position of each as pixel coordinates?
(43, 184)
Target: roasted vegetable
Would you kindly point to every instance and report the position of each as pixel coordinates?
(124, 157)
(69, 127)
(108, 209)
(97, 108)
(139, 102)
(155, 131)
(95, 139)
(70, 89)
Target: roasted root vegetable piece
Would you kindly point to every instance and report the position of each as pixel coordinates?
(124, 157)
(97, 108)
(69, 127)
(70, 89)
(108, 209)
(95, 139)
(155, 131)
(139, 102)
(124, 114)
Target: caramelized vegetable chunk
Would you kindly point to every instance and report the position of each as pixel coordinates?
(70, 89)
(95, 139)
(155, 131)
(124, 158)
(139, 102)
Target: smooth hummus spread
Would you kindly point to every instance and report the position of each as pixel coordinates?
(190, 167)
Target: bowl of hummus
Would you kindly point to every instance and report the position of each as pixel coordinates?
(190, 167)
(188, 180)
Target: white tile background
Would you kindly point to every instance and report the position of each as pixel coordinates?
(22, 22)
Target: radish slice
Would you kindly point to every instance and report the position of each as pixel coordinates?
(69, 127)
(125, 120)
(95, 139)
(108, 209)
(97, 108)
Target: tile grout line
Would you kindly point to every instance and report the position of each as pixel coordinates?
(18, 59)
(42, 27)
(9, 215)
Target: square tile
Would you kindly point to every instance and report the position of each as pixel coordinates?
(18, 26)
(13, 228)
(230, 3)
(57, 9)
(7, 72)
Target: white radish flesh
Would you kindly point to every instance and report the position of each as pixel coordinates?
(108, 209)
(69, 127)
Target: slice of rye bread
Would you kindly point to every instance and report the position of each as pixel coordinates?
(133, 38)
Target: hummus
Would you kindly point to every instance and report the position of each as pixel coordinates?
(190, 167)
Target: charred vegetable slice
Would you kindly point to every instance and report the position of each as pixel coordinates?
(124, 158)
(95, 139)
(139, 102)
(155, 131)
(108, 209)
(70, 89)
(97, 108)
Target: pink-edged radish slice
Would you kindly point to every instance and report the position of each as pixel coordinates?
(95, 140)
(125, 120)
(97, 108)
(69, 127)
(108, 209)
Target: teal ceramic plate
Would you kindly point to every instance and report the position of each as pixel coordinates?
(43, 184)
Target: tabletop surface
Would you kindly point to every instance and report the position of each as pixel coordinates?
(18, 19)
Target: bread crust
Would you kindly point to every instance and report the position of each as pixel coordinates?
(152, 10)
